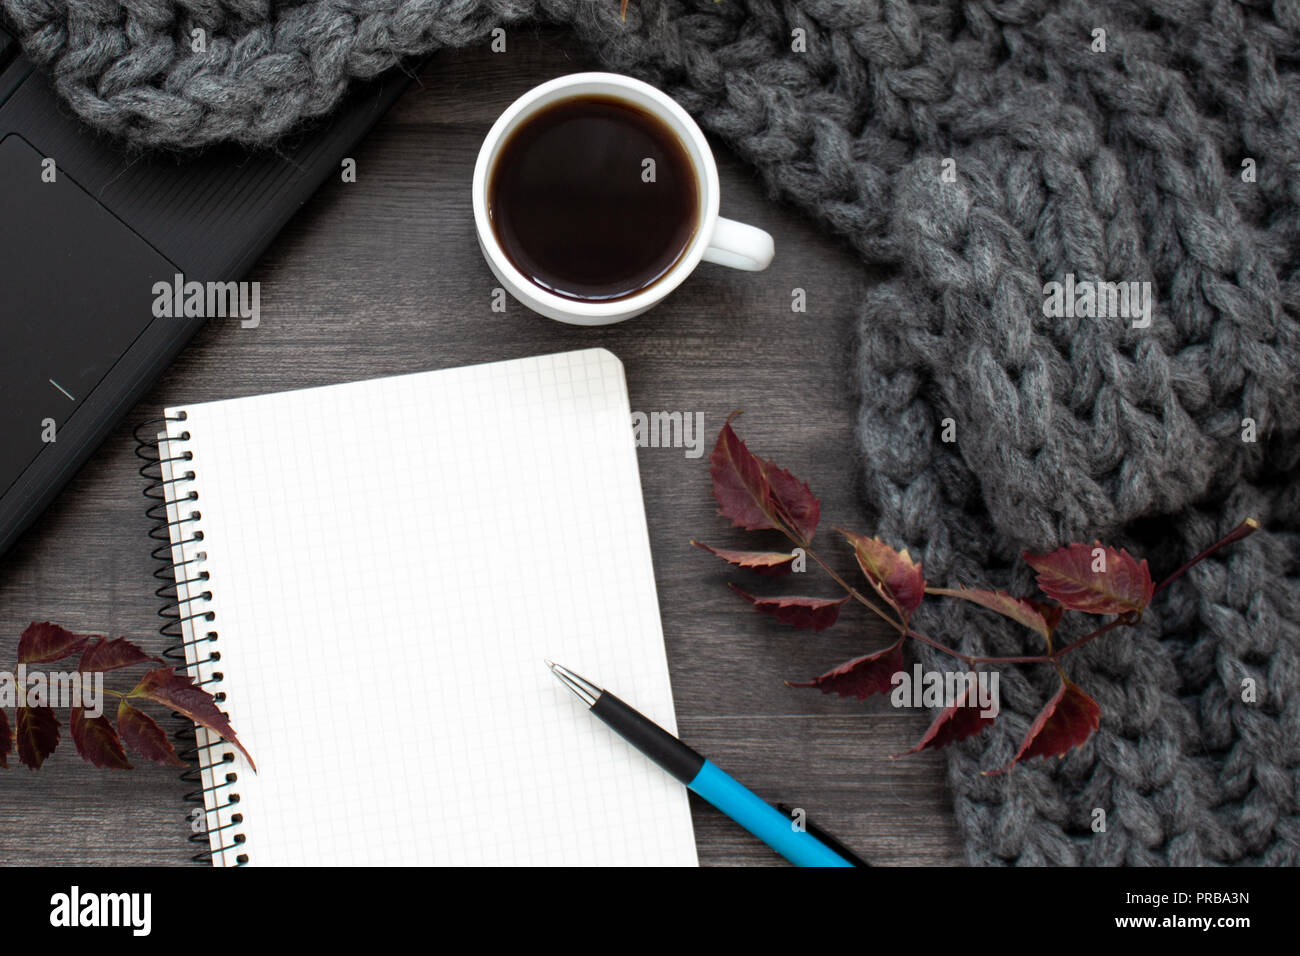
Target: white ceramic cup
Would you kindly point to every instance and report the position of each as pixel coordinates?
(719, 240)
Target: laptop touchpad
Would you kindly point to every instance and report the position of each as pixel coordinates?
(76, 289)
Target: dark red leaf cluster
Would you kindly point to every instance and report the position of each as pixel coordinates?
(36, 729)
(757, 495)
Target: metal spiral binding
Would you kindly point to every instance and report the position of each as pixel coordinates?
(176, 611)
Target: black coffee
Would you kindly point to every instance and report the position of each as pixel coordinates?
(593, 198)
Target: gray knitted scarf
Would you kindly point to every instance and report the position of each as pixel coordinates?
(1122, 165)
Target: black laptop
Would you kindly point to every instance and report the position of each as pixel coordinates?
(89, 236)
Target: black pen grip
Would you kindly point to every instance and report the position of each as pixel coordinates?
(648, 737)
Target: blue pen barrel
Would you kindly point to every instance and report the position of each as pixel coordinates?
(734, 799)
(762, 819)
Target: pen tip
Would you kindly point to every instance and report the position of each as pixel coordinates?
(579, 685)
(549, 663)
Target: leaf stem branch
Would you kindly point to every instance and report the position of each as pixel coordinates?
(851, 590)
(1050, 658)
(1129, 618)
(1243, 530)
(901, 626)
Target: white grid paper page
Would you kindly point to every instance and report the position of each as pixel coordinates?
(390, 562)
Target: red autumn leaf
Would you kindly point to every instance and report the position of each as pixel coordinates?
(46, 642)
(38, 734)
(801, 612)
(178, 692)
(894, 575)
(6, 739)
(1111, 582)
(97, 741)
(767, 563)
(953, 724)
(757, 494)
(1068, 720)
(143, 735)
(862, 676)
(105, 655)
(1018, 609)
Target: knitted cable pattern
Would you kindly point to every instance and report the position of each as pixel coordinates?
(1123, 165)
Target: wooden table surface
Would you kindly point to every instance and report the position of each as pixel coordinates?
(383, 276)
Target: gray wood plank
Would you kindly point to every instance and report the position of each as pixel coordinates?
(384, 276)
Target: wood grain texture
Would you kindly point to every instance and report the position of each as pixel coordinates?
(383, 276)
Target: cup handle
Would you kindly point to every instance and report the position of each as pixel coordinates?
(739, 246)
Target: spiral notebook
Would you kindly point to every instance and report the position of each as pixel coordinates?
(370, 576)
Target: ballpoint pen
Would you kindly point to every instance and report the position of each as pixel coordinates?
(797, 844)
